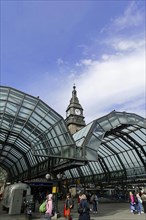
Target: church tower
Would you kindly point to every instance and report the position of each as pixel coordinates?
(74, 113)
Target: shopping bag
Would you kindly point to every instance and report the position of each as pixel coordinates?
(42, 207)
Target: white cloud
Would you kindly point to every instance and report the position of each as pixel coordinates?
(60, 61)
(131, 17)
(116, 80)
(85, 62)
(105, 56)
(123, 45)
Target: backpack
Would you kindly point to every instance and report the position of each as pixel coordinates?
(42, 207)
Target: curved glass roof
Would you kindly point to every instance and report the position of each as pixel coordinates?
(115, 147)
(28, 125)
(34, 138)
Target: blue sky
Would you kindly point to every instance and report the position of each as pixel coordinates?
(47, 46)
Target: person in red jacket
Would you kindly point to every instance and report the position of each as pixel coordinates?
(67, 207)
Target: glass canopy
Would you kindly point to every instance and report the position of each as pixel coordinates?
(29, 127)
(35, 139)
(115, 148)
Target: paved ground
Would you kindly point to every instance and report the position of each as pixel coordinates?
(107, 211)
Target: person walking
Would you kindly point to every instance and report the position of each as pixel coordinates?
(49, 207)
(94, 201)
(139, 204)
(67, 207)
(132, 202)
(84, 208)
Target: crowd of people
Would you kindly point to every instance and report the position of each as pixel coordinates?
(83, 207)
(137, 202)
(86, 205)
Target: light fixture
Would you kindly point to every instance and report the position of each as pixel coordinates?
(59, 176)
(48, 176)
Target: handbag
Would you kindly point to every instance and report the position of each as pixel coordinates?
(42, 207)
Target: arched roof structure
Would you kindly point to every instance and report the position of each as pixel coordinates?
(27, 124)
(115, 147)
(35, 139)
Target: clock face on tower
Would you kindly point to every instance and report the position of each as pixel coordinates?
(68, 112)
(77, 111)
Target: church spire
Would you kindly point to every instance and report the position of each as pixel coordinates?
(74, 92)
(74, 113)
(74, 99)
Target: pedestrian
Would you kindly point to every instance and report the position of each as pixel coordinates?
(49, 207)
(132, 202)
(94, 201)
(84, 208)
(139, 204)
(67, 207)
